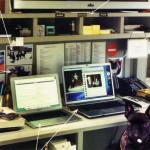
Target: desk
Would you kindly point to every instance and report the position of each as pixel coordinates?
(78, 128)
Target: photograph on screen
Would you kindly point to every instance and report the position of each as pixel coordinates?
(95, 84)
(74, 81)
(94, 80)
(87, 82)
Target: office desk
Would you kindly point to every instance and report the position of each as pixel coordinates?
(78, 128)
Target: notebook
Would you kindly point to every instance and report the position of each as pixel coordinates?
(89, 88)
(37, 98)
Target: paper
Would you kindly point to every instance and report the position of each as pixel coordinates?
(70, 53)
(19, 41)
(50, 58)
(147, 81)
(76, 53)
(19, 55)
(141, 68)
(83, 52)
(137, 48)
(148, 47)
(98, 52)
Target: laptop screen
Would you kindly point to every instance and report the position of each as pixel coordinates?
(87, 83)
(36, 93)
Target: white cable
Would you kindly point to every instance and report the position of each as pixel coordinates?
(100, 6)
(124, 56)
(38, 136)
(6, 71)
(147, 36)
(5, 28)
(74, 112)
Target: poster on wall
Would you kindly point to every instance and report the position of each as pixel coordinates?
(70, 54)
(137, 48)
(19, 55)
(76, 53)
(98, 52)
(83, 51)
(50, 58)
(116, 66)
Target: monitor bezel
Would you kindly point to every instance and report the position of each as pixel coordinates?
(39, 110)
(73, 5)
(88, 100)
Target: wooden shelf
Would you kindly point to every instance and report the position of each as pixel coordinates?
(74, 38)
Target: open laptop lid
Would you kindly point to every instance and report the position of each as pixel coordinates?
(87, 83)
(37, 93)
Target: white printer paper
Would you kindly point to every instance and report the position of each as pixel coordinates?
(50, 58)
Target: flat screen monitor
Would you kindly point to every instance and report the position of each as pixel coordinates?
(87, 83)
(26, 5)
(37, 93)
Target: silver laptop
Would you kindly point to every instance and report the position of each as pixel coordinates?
(37, 98)
(89, 88)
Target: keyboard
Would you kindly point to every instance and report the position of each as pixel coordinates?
(45, 115)
(102, 105)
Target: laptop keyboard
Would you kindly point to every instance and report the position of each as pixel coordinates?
(46, 115)
(103, 105)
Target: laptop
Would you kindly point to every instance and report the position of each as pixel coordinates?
(89, 88)
(37, 98)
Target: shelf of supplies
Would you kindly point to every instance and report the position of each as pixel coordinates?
(73, 38)
(75, 14)
(115, 21)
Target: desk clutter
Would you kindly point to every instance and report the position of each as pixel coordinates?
(145, 93)
(95, 29)
(61, 144)
(41, 94)
(37, 98)
(9, 119)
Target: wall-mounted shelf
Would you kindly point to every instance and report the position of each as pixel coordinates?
(115, 21)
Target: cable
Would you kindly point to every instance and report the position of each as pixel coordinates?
(111, 141)
(5, 28)
(100, 6)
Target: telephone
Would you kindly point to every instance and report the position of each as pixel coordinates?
(128, 86)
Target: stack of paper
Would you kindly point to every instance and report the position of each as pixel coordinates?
(133, 28)
(96, 29)
(90, 30)
(106, 31)
(87, 30)
(15, 123)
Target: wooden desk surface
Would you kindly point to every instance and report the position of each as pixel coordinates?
(27, 133)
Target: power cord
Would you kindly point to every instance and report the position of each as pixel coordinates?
(109, 147)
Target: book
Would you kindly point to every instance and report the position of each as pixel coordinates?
(15, 123)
